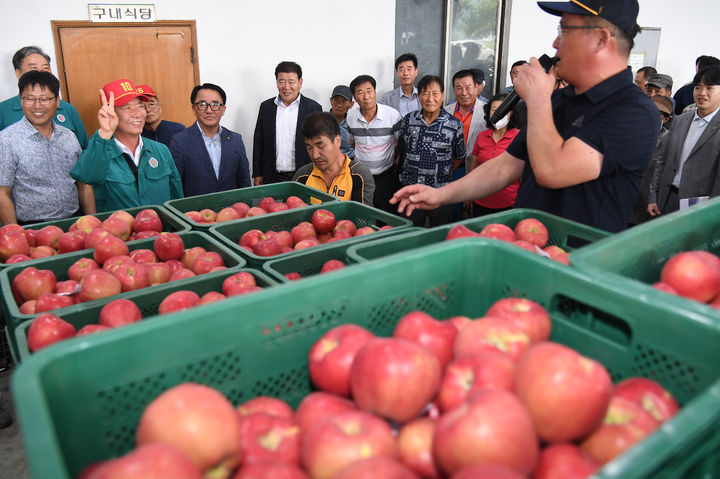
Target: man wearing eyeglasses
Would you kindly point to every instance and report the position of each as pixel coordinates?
(36, 156)
(155, 127)
(278, 144)
(209, 157)
(124, 169)
(586, 146)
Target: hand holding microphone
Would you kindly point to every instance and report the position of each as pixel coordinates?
(511, 100)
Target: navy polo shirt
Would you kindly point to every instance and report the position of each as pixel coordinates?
(165, 131)
(615, 118)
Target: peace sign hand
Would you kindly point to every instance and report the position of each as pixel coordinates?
(107, 117)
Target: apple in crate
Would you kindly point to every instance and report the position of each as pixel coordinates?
(12, 243)
(566, 393)
(249, 238)
(243, 279)
(295, 202)
(423, 329)
(178, 301)
(211, 297)
(49, 236)
(42, 252)
(190, 255)
(118, 227)
(525, 313)
(375, 467)
(498, 231)
(318, 405)
(71, 241)
(108, 247)
(182, 273)
(491, 334)
(200, 422)
(147, 220)
(365, 230)
(241, 208)
(277, 207)
(271, 470)
(119, 312)
(564, 460)
(208, 215)
(301, 231)
(80, 268)
(132, 276)
(414, 441)
(206, 262)
(293, 276)
(150, 461)
(650, 395)
(256, 211)
(460, 231)
(267, 405)
(323, 220)
(48, 329)
(99, 284)
(52, 301)
(194, 216)
(89, 329)
(533, 231)
(86, 224)
(94, 237)
(266, 203)
(332, 265)
(227, 214)
(488, 471)
(33, 282)
(692, 276)
(264, 437)
(267, 247)
(168, 246)
(307, 243)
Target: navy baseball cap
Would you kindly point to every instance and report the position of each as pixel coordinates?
(621, 13)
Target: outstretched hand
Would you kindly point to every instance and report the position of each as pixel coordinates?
(416, 197)
(107, 117)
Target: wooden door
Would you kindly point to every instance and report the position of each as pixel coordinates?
(161, 54)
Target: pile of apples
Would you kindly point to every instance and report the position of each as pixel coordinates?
(19, 244)
(530, 234)
(322, 228)
(243, 210)
(459, 398)
(112, 270)
(48, 328)
(693, 275)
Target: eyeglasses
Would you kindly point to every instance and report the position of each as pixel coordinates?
(44, 101)
(562, 28)
(152, 104)
(214, 106)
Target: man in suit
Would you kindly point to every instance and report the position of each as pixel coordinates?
(405, 97)
(209, 157)
(687, 170)
(278, 144)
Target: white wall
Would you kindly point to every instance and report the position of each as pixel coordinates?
(687, 31)
(240, 42)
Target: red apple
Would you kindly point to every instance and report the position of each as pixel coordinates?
(365, 230)
(123, 215)
(255, 211)
(118, 227)
(307, 243)
(526, 245)
(340, 235)
(178, 301)
(99, 284)
(270, 470)
(87, 223)
(211, 297)
(277, 207)
(194, 216)
(533, 231)
(301, 231)
(175, 265)
(42, 252)
(243, 278)
(144, 256)
(487, 471)
(206, 262)
(566, 393)
(94, 237)
(52, 301)
(168, 246)
(241, 208)
(345, 225)
(343, 438)
(293, 276)
(89, 329)
(375, 467)
(650, 395)
(332, 265)
(323, 221)
(423, 329)
(227, 214)
(331, 357)
(394, 378)
(119, 312)
(80, 268)
(112, 264)
(553, 250)
(69, 287)
(17, 258)
(692, 276)
(249, 238)
(267, 247)
(415, 447)
(132, 276)
(324, 237)
(198, 420)
(460, 231)
(32, 282)
(149, 461)
(664, 287)
(182, 273)
(71, 241)
(237, 290)
(147, 220)
(108, 247)
(266, 405)
(264, 437)
(626, 423)
(491, 426)
(208, 215)
(265, 203)
(48, 329)
(317, 405)
(191, 254)
(459, 321)
(491, 334)
(528, 315)
(13, 243)
(565, 461)
(498, 231)
(295, 202)
(486, 370)
(28, 307)
(49, 236)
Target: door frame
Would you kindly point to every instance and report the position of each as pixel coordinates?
(56, 25)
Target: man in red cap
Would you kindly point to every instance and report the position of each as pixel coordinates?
(586, 146)
(125, 170)
(155, 127)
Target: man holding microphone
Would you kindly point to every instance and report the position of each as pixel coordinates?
(586, 146)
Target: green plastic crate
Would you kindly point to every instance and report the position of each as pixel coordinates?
(563, 233)
(362, 215)
(171, 223)
(147, 299)
(635, 257)
(60, 264)
(78, 403)
(251, 196)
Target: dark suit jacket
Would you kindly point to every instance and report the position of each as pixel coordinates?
(264, 157)
(700, 171)
(195, 168)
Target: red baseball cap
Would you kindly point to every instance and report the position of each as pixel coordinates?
(124, 91)
(146, 90)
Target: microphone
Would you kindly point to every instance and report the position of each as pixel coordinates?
(511, 100)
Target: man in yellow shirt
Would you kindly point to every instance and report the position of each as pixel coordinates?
(331, 170)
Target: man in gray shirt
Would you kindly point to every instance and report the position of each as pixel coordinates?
(36, 156)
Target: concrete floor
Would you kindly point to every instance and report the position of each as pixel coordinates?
(12, 453)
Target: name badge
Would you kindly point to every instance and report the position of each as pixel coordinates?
(60, 117)
(153, 162)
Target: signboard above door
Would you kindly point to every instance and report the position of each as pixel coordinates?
(108, 12)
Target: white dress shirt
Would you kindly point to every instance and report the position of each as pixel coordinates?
(286, 119)
(134, 155)
(213, 147)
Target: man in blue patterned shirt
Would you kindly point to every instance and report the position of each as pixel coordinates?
(432, 145)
